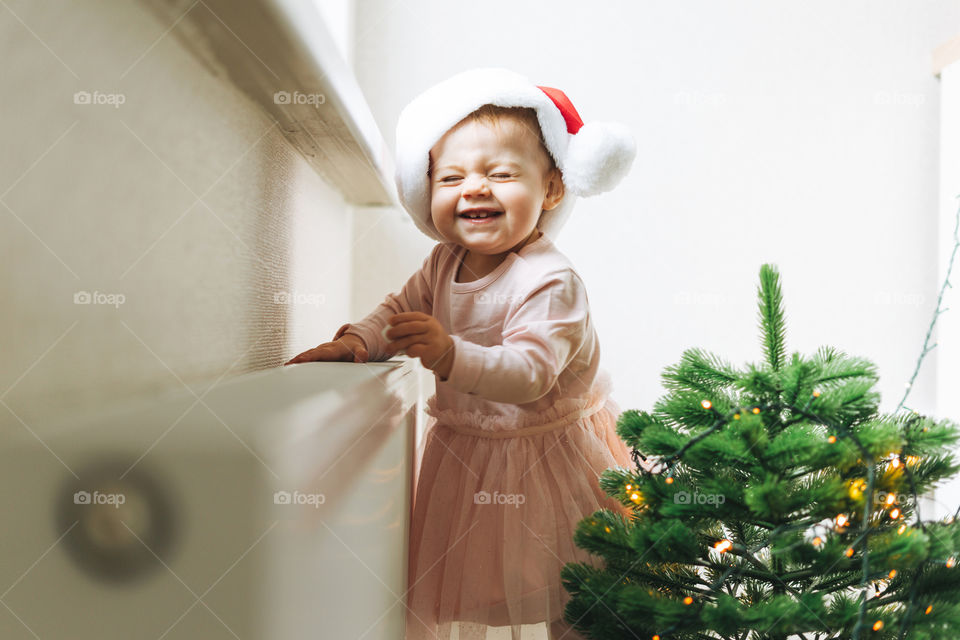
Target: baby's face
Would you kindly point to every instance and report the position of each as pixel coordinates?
(502, 174)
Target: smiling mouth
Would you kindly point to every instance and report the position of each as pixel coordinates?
(479, 214)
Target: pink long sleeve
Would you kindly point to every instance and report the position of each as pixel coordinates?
(416, 295)
(540, 339)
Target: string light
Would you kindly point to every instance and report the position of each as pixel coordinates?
(832, 439)
(816, 393)
(669, 479)
(848, 552)
(902, 528)
(756, 409)
(817, 541)
(878, 625)
(736, 416)
(688, 600)
(895, 462)
(891, 498)
(950, 563)
(895, 514)
(841, 520)
(892, 574)
(636, 497)
(929, 609)
(723, 545)
(706, 404)
(856, 488)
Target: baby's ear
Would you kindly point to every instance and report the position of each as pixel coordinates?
(555, 190)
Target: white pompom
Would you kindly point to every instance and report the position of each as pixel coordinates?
(599, 156)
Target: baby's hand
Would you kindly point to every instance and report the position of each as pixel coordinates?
(421, 336)
(349, 348)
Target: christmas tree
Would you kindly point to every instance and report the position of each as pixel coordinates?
(781, 504)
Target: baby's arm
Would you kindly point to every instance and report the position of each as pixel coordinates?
(416, 295)
(540, 339)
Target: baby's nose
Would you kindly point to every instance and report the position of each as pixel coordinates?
(475, 184)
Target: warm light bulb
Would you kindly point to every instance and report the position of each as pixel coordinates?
(670, 480)
(816, 393)
(929, 609)
(892, 574)
(891, 498)
(895, 462)
(902, 528)
(848, 552)
(736, 416)
(607, 529)
(756, 409)
(856, 489)
(723, 545)
(950, 563)
(878, 625)
(817, 541)
(706, 404)
(688, 600)
(841, 520)
(832, 439)
(895, 514)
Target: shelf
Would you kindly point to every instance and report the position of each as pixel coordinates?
(265, 47)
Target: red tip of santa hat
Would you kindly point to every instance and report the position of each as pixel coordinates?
(570, 115)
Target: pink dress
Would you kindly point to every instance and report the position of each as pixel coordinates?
(518, 436)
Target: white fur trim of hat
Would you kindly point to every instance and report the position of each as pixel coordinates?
(592, 157)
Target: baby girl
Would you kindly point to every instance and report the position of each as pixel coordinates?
(521, 425)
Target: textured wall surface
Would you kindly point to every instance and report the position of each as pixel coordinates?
(205, 246)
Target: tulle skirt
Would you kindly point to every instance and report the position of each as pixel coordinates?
(493, 517)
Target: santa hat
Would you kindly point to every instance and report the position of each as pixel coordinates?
(592, 157)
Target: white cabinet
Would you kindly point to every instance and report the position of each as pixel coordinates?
(275, 507)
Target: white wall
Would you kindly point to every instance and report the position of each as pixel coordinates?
(339, 16)
(104, 199)
(947, 334)
(800, 134)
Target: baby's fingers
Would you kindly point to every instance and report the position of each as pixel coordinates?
(326, 352)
